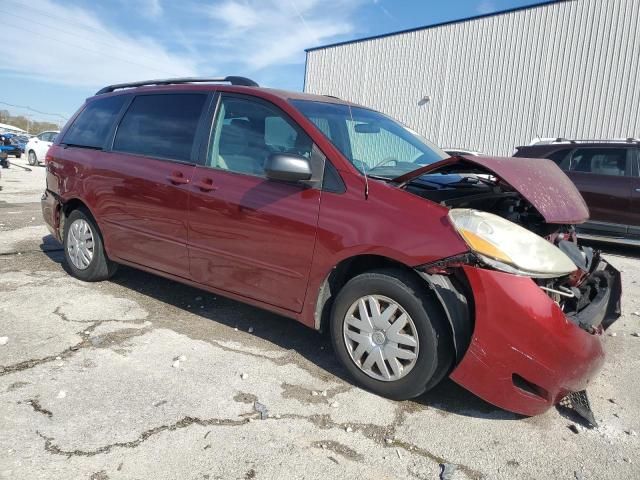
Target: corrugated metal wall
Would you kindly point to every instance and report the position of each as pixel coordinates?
(569, 69)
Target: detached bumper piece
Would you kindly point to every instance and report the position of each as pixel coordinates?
(578, 403)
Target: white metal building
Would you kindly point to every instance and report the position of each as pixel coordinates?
(567, 68)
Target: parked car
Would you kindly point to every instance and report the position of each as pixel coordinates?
(8, 146)
(37, 146)
(607, 175)
(21, 141)
(341, 218)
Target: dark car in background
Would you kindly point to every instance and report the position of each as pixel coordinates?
(607, 175)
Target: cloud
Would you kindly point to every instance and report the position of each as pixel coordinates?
(88, 46)
(72, 46)
(486, 6)
(153, 7)
(263, 33)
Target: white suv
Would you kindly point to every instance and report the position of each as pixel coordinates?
(37, 146)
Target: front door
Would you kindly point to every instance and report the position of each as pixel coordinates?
(249, 235)
(604, 177)
(143, 183)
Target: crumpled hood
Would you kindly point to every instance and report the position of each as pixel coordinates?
(538, 180)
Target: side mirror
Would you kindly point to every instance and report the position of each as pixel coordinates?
(287, 167)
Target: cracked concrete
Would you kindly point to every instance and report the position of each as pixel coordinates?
(140, 377)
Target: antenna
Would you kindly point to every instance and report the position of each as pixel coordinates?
(364, 166)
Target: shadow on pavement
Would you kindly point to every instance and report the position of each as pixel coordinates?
(287, 334)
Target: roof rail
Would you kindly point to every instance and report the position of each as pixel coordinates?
(613, 140)
(246, 82)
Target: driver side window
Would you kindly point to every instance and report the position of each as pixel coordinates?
(246, 132)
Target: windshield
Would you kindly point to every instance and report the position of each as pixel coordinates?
(370, 140)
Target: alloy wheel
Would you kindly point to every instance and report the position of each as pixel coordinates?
(381, 338)
(80, 244)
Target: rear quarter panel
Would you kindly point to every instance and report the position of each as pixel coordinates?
(67, 171)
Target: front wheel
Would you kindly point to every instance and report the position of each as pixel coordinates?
(32, 159)
(83, 248)
(390, 334)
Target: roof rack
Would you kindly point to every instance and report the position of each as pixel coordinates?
(547, 141)
(612, 140)
(233, 80)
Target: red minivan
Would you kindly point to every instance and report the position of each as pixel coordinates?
(420, 265)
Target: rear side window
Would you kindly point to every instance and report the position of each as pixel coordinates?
(93, 124)
(161, 126)
(602, 161)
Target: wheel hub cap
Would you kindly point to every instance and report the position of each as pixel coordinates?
(378, 338)
(80, 244)
(381, 338)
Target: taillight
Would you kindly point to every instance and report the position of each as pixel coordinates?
(47, 159)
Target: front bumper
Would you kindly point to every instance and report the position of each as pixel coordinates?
(526, 354)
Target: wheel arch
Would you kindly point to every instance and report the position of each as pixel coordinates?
(74, 203)
(339, 275)
(451, 293)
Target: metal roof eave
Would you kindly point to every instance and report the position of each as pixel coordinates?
(436, 25)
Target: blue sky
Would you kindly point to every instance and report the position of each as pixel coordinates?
(59, 52)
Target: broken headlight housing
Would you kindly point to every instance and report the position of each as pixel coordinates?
(508, 247)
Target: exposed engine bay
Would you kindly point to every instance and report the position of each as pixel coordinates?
(587, 295)
(484, 193)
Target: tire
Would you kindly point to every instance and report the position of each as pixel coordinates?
(426, 324)
(18, 155)
(83, 248)
(32, 159)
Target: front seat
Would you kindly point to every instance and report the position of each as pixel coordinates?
(238, 149)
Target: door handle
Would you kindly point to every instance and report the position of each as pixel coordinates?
(637, 189)
(206, 185)
(178, 178)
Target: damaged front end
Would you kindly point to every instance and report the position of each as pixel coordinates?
(537, 303)
(591, 296)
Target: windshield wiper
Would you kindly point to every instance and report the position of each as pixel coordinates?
(464, 182)
(378, 177)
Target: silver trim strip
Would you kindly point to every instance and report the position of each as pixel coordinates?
(604, 238)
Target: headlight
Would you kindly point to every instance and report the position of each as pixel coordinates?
(509, 247)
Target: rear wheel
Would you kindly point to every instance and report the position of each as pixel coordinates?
(83, 248)
(390, 334)
(33, 160)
